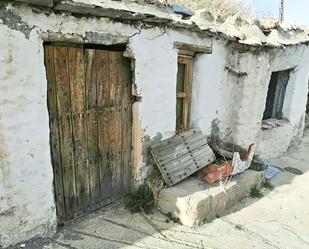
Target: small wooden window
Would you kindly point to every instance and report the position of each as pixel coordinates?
(183, 93)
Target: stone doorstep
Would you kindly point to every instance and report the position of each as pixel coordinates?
(195, 202)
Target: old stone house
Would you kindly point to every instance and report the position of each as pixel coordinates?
(86, 85)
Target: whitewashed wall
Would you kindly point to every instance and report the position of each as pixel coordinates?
(230, 90)
(276, 141)
(26, 192)
(249, 113)
(221, 99)
(208, 87)
(27, 206)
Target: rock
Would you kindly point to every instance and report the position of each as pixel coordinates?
(179, 9)
(271, 24)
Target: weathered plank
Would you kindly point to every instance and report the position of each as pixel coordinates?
(102, 82)
(191, 163)
(192, 47)
(65, 128)
(191, 154)
(116, 122)
(179, 137)
(92, 126)
(54, 133)
(115, 150)
(176, 151)
(187, 99)
(126, 117)
(78, 104)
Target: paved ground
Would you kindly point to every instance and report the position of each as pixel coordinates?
(278, 220)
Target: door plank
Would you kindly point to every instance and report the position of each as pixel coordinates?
(54, 133)
(115, 122)
(78, 104)
(65, 129)
(103, 82)
(92, 127)
(115, 150)
(126, 117)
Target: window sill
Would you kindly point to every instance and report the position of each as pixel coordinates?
(269, 124)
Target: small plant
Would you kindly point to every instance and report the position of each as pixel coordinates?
(141, 201)
(268, 185)
(155, 182)
(255, 192)
(217, 216)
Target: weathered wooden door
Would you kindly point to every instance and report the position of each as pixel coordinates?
(90, 127)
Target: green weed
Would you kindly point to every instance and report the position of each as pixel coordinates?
(141, 201)
(255, 192)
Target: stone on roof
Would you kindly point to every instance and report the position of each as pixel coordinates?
(230, 26)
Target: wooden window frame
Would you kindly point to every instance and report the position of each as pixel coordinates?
(186, 95)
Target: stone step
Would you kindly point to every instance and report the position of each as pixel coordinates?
(195, 202)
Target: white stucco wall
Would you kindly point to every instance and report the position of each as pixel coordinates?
(156, 91)
(231, 87)
(276, 141)
(207, 87)
(228, 94)
(27, 205)
(259, 66)
(26, 193)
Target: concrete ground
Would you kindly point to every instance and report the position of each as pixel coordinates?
(278, 220)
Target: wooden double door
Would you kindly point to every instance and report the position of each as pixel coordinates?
(90, 114)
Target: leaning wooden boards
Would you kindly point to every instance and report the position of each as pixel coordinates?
(182, 155)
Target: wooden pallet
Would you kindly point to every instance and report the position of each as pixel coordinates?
(182, 155)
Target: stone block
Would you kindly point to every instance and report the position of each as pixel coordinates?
(195, 202)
